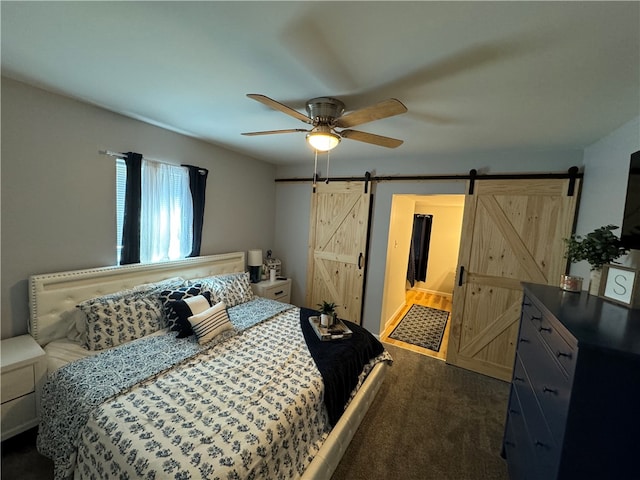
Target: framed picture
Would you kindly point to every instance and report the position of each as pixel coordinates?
(621, 285)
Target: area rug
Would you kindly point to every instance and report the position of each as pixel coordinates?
(422, 326)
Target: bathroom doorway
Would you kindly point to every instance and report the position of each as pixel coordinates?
(402, 290)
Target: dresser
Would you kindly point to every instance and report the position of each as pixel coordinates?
(277, 290)
(24, 370)
(574, 406)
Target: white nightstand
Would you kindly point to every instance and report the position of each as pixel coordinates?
(277, 290)
(24, 370)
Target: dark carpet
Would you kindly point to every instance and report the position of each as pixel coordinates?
(429, 421)
(422, 326)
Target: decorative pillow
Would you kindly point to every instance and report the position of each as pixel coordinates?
(170, 296)
(232, 288)
(187, 307)
(120, 317)
(77, 325)
(77, 331)
(211, 323)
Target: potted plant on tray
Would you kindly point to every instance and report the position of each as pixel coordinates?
(598, 248)
(327, 313)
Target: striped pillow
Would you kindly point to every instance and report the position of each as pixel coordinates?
(210, 323)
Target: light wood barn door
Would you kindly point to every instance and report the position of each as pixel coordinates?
(512, 232)
(337, 247)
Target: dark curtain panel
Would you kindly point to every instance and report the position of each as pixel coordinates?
(132, 201)
(197, 185)
(419, 249)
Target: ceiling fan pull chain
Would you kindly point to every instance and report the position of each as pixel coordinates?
(315, 169)
(328, 157)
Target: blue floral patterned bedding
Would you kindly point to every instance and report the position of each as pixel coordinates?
(251, 406)
(75, 390)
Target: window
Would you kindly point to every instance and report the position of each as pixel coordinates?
(166, 216)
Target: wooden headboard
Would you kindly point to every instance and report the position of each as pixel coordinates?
(52, 296)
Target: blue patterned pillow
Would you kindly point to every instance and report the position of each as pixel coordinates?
(120, 317)
(187, 307)
(170, 296)
(232, 288)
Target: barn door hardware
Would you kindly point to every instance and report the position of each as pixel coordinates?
(473, 173)
(573, 174)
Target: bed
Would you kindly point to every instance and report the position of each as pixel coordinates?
(261, 397)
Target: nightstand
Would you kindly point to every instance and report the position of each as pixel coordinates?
(277, 290)
(24, 369)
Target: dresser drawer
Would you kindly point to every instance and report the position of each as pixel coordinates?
(517, 445)
(564, 352)
(279, 290)
(549, 383)
(543, 445)
(17, 382)
(530, 311)
(19, 415)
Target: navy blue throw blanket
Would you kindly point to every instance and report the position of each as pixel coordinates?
(340, 361)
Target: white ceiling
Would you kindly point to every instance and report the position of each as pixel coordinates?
(474, 75)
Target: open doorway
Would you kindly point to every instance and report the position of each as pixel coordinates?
(402, 290)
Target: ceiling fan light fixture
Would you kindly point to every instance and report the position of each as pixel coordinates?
(322, 139)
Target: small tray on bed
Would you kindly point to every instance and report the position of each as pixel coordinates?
(336, 331)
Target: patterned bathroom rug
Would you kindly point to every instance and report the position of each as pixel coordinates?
(422, 326)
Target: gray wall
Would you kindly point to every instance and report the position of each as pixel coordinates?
(606, 167)
(294, 198)
(58, 193)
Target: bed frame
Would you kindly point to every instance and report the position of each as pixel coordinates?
(52, 296)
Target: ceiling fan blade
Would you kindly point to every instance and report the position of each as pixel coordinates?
(384, 109)
(269, 102)
(271, 132)
(371, 138)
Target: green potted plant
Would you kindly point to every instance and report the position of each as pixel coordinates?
(598, 248)
(327, 313)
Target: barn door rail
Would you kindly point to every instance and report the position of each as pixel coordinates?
(572, 173)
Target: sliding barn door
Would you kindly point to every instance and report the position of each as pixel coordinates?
(337, 247)
(512, 232)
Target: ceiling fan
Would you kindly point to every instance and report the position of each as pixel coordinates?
(325, 114)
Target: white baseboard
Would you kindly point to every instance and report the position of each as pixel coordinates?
(426, 290)
(394, 315)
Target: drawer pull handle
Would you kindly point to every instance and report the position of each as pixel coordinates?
(549, 390)
(562, 354)
(515, 412)
(534, 317)
(279, 292)
(525, 340)
(509, 444)
(518, 379)
(526, 304)
(540, 444)
(544, 329)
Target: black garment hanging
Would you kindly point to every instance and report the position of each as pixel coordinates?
(419, 249)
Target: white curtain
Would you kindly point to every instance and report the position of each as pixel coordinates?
(166, 215)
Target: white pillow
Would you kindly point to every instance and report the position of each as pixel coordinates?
(210, 323)
(230, 288)
(197, 304)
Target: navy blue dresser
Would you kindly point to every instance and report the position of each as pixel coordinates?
(574, 406)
